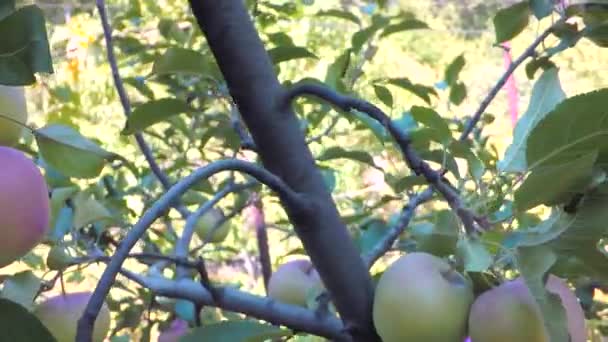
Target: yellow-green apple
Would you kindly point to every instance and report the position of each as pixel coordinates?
(293, 281)
(60, 315)
(420, 297)
(24, 205)
(206, 226)
(510, 313)
(13, 114)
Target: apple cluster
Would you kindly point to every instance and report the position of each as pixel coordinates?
(25, 218)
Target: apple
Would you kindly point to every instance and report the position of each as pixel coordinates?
(178, 328)
(293, 281)
(24, 205)
(60, 315)
(208, 222)
(420, 297)
(509, 312)
(12, 108)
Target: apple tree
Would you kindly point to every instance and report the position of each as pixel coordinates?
(250, 170)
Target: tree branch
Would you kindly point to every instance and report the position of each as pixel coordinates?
(292, 201)
(253, 84)
(529, 52)
(294, 317)
(413, 160)
(126, 105)
(404, 219)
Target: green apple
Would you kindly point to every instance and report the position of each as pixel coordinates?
(24, 205)
(509, 313)
(420, 297)
(12, 108)
(206, 226)
(293, 281)
(60, 315)
(58, 258)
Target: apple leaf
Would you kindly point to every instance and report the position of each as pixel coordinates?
(568, 179)
(339, 14)
(473, 254)
(439, 238)
(541, 8)
(6, 8)
(18, 324)
(582, 123)
(21, 288)
(70, 153)
(237, 331)
(533, 264)
(339, 152)
(422, 91)
(384, 95)
(453, 70)
(461, 150)
(336, 71)
(546, 94)
(180, 61)
(432, 119)
(511, 21)
(458, 92)
(152, 112)
(405, 25)
(281, 54)
(88, 210)
(25, 48)
(371, 233)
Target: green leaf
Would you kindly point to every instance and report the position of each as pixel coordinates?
(337, 70)
(286, 53)
(582, 123)
(439, 238)
(401, 184)
(339, 152)
(20, 325)
(88, 210)
(533, 264)
(235, 331)
(511, 21)
(419, 90)
(405, 25)
(373, 125)
(473, 254)
(59, 196)
(541, 8)
(363, 36)
(384, 95)
(442, 158)
(21, 288)
(7, 7)
(543, 63)
(69, 152)
(458, 92)
(152, 112)
(567, 179)
(371, 233)
(546, 94)
(181, 61)
(339, 14)
(25, 48)
(432, 119)
(461, 150)
(453, 70)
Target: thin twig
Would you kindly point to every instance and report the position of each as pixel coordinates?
(404, 219)
(293, 202)
(413, 160)
(529, 52)
(126, 105)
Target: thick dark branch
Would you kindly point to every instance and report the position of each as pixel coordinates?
(126, 105)
(293, 201)
(413, 160)
(529, 52)
(280, 143)
(389, 239)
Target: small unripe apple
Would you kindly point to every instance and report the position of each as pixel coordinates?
(58, 258)
(208, 222)
(420, 297)
(12, 108)
(178, 328)
(293, 281)
(60, 315)
(509, 312)
(24, 205)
